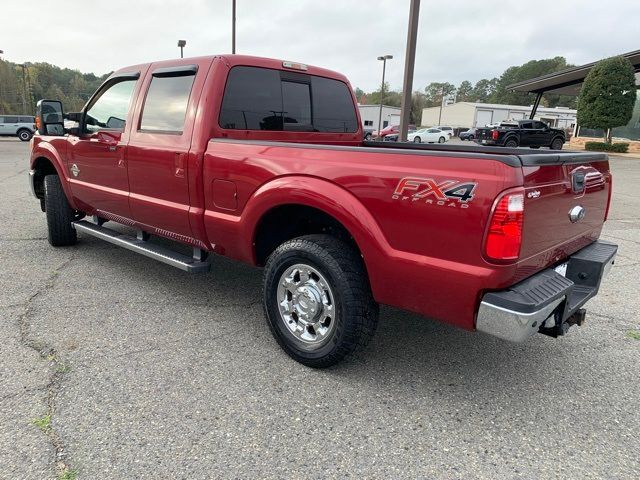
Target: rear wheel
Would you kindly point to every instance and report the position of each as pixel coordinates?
(442, 140)
(317, 300)
(557, 144)
(511, 143)
(417, 140)
(59, 213)
(24, 135)
(471, 137)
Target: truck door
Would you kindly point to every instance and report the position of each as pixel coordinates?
(527, 134)
(543, 134)
(96, 156)
(158, 152)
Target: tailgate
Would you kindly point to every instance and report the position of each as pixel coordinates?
(483, 134)
(566, 199)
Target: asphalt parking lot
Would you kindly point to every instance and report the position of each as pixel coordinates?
(120, 367)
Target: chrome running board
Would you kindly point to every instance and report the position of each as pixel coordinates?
(195, 264)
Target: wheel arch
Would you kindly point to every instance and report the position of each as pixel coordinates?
(45, 160)
(336, 210)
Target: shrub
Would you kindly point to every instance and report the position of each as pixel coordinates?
(607, 147)
(607, 96)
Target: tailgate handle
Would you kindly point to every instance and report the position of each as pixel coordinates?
(577, 181)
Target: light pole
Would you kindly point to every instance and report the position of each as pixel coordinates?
(384, 59)
(233, 27)
(409, 62)
(182, 44)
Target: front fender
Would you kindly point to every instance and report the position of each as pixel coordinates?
(52, 153)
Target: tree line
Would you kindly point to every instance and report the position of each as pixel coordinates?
(21, 86)
(492, 90)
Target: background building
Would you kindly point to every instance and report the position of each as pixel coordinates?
(370, 113)
(472, 114)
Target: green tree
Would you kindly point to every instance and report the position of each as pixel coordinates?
(483, 90)
(463, 93)
(391, 97)
(531, 69)
(608, 95)
(435, 92)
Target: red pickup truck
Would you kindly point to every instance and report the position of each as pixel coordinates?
(263, 161)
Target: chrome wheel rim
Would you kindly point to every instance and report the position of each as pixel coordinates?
(307, 305)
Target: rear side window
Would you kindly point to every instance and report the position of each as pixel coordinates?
(263, 99)
(165, 107)
(27, 120)
(10, 119)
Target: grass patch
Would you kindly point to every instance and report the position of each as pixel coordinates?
(633, 334)
(63, 368)
(43, 423)
(68, 475)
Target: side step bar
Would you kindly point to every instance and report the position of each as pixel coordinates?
(196, 264)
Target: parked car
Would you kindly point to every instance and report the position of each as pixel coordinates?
(428, 135)
(391, 130)
(21, 126)
(468, 134)
(198, 151)
(522, 133)
(448, 130)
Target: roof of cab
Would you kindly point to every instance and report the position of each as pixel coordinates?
(234, 60)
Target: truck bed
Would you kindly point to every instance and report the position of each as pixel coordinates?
(512, 156)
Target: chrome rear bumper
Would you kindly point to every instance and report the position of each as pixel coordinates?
(545, 301)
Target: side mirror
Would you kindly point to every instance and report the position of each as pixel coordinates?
(49, 117)
(74, 119)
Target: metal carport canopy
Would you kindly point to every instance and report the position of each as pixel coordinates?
(566, 82)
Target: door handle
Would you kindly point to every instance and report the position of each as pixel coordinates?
(179, 162)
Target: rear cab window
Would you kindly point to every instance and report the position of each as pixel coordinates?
(258, 98)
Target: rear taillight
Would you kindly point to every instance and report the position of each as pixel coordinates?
(504, 236)
(606, 212)
(494, 134)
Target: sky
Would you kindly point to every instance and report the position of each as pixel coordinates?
(461, 40)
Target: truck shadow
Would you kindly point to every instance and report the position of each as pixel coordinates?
(408, 353)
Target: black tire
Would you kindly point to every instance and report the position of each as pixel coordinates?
(511, 143)
(354, 312)
(442, 140)
(24, 134)
(471, 137)
(417, 140)
(59, 213)
(557, 144)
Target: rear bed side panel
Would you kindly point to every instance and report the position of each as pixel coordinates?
(422, 254)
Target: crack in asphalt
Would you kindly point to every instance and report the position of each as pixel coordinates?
(47, 352)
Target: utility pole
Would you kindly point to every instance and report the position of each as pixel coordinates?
(441, 102)
(383, 59)
(409, 63)
(24, 89)
(233, 27)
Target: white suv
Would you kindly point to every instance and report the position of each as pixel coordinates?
(447, 130)
(21, 126)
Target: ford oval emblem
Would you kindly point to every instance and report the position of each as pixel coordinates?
(577, 213)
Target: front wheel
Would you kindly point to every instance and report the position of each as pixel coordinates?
(318, 301)
(417, 140)
(59, 213)
(442, 140)
(25, 135)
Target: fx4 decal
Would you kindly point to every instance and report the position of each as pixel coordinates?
(451, 193)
